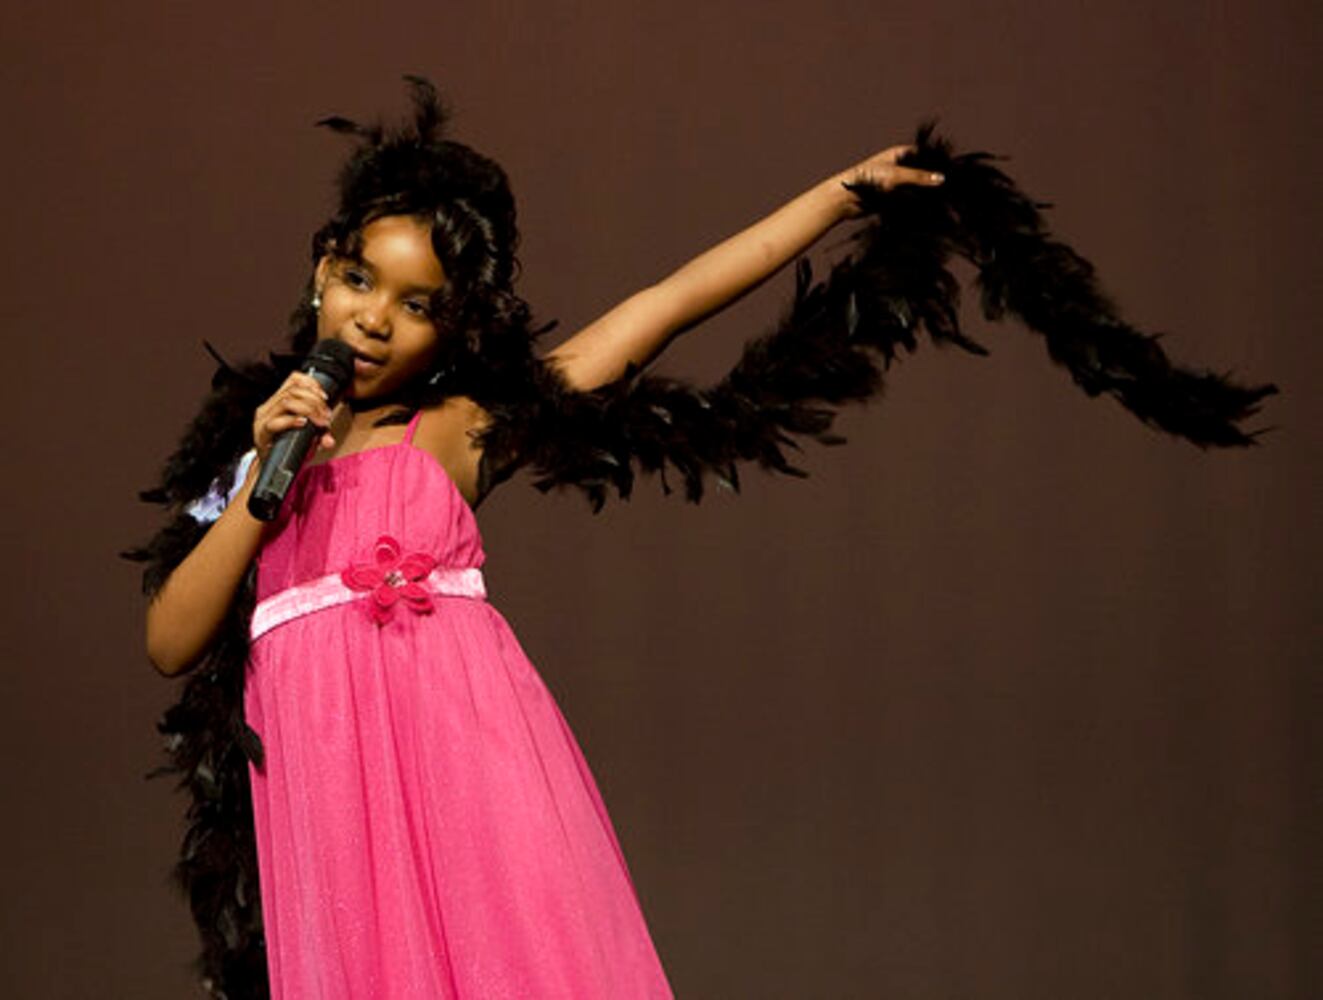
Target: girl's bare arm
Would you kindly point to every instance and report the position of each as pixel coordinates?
(185, 613)
(183, 616)
(641, 326)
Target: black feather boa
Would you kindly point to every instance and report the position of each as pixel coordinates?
(832, 347)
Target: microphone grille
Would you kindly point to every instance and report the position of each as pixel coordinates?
(333, 357)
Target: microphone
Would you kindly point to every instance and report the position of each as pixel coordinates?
(331, 363)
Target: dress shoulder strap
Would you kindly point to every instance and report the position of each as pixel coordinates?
(413, 427)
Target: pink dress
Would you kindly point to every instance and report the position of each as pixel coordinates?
(426, 824)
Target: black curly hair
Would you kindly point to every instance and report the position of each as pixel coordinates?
(464, 198)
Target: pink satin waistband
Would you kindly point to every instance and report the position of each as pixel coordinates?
(329, 591)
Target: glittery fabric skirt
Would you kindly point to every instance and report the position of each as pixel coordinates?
(426, 824)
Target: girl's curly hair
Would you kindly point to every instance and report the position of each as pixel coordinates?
(465, 199)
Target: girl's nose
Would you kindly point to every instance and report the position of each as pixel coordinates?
(371, 319)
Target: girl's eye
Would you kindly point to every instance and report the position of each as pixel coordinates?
(417, 308)
(355, 278)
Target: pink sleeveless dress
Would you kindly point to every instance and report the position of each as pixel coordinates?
(426, 824)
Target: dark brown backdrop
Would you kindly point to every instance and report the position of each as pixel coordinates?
(1013, 698)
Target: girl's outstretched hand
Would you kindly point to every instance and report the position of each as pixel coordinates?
(298, 400)
(881, 169)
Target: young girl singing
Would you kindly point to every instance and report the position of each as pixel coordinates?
(365, 741)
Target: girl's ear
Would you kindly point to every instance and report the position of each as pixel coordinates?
(321, 273)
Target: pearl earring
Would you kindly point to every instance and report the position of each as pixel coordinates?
(316, 300)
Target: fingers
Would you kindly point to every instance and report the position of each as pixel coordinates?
(302, 384)
(304, 395)
(908, 175)
(891, 177)
(896, 152)
(299, 401)
(884, 170)
(284, 422)
(312, 406)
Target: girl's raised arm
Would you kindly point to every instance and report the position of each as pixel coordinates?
(636, 330)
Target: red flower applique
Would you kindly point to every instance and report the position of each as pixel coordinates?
(392, 577)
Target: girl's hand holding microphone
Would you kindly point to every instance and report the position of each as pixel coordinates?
(299, 401)
(296, 421)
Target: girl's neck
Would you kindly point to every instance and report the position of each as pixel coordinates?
(374, 407)
(358, 430)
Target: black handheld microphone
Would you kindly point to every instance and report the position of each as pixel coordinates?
(331, 363)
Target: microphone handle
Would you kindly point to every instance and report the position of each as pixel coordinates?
(286, 457)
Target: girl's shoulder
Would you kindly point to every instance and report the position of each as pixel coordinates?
(453, 417)
(449, 431)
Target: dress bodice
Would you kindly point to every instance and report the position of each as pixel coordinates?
(337, 510)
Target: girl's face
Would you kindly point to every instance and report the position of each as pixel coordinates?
(379, 303)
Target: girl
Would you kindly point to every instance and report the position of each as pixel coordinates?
(364, 729)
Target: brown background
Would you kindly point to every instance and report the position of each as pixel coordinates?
(1013, 698)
